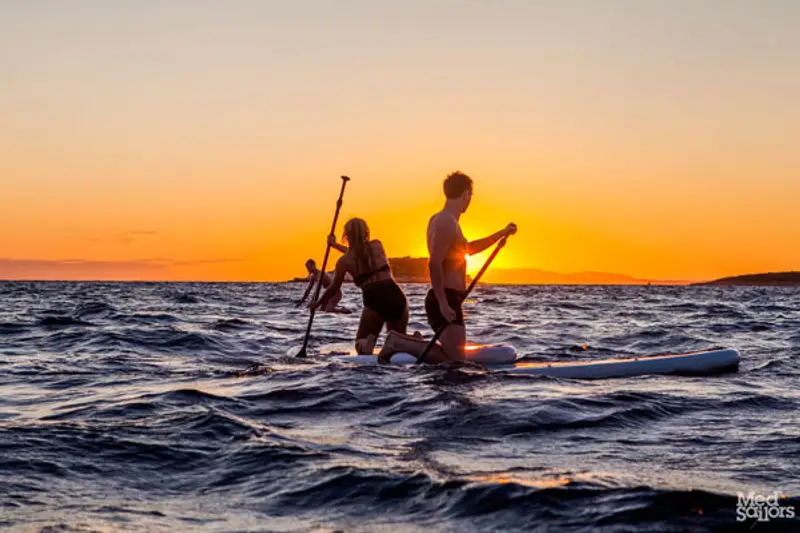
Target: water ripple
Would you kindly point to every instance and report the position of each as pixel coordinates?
(174, 407)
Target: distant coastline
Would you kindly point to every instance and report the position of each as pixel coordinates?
(415, 270)
(404, 269)
(774, 279)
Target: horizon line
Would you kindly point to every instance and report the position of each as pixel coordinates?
(664, 283)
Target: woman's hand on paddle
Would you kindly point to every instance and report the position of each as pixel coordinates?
(447, 312)
(335, 245)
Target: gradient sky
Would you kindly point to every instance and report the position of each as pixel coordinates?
(196, 139)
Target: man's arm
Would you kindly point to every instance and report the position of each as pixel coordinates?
(336, 284)
(312, 279)
(476, 247)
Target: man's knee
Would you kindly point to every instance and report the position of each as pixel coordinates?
(453, 340)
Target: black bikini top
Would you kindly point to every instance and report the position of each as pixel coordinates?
(361, 278)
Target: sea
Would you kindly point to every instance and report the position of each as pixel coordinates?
(170, 407)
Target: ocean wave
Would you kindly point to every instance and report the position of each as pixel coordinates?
(58, 321)
(175, 407)
(94, 309)
(13, 328)
(232, 324)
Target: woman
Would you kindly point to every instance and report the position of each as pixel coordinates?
(313, 278)
(384, 300)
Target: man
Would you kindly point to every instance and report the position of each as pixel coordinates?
(313, 277)
(448, 250)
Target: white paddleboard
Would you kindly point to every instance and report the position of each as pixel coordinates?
(495, 354)
(504, 358)
(705, 362)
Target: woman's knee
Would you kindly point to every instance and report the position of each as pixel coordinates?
(366, 345)
(370, 324)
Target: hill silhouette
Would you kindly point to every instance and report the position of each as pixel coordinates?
(404, 269)
(415, 270)
(535, 276)
(791, 279)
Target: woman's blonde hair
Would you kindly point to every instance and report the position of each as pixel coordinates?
(356, 233)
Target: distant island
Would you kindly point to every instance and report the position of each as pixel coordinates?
(404, 269)
(535, 276)
(415, 270)
(410, 269)
(790, 279)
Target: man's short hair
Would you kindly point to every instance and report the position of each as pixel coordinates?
(456, 183)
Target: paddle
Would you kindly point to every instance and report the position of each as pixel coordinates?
(302, 352)
(500, 244)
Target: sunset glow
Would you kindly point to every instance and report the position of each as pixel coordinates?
(181, 141)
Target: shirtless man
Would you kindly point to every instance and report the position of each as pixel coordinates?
(313, 277)
(448, 250)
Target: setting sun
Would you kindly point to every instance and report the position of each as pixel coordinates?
(158, 159)
(474, 264)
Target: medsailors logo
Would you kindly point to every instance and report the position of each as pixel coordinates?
(762, 508)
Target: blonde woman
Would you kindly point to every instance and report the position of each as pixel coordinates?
(384, 300)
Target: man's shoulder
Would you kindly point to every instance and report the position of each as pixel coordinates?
(442, 220)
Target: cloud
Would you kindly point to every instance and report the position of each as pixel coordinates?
(84, 269)
(191, 262)
(79, 269)
(198, 262)
(127, 237)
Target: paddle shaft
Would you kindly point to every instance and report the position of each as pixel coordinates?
(500, 244)
(302, 352)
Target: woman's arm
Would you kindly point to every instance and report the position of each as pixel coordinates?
(378, 247)
(335, 245)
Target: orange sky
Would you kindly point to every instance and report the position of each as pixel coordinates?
(205, 141)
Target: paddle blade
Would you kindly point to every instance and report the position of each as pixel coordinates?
(296, 351)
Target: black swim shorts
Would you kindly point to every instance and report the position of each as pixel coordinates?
(454, 297)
